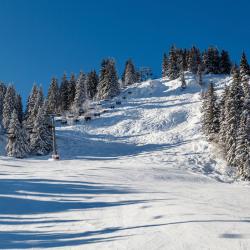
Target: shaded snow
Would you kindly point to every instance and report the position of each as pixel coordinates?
(142, 176)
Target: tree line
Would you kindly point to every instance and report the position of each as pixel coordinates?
(193, 60)
(226, 120)
(29, 131)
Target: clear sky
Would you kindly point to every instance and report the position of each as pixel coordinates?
(43, 38)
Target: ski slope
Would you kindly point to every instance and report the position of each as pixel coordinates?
(141, 177)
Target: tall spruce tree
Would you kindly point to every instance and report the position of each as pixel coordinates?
(108, 86)
(37, 102)
(164, 65)
(194, 60)
(53, 97)
(199, 75)
(9, 105)
(92, 83)
(245, 74)
(242, 152)
(17, 145)
(31, 101)
(41, 137)
(222, 119)
(210, 109)
(64, 92)
(71, 90)
(129, 75)
(3, 89)
(225, 63)
(80, 94)
(19, 107)
(173, 71)
(233, 111)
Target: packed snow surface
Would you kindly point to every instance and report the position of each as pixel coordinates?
(141, 176)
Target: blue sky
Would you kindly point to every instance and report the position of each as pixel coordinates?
(43, 38)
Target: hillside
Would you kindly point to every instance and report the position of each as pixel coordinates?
(140, 176)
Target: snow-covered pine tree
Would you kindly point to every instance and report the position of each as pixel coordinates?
(19, 107)
(245, 74)
(129, 75)
(164, 65)
(53, 97)
(205, 62)
(242, 152)
(225, 63)
(184, 60)
(223, 127)
(3, 89)
(173, 71)
(37, 102)
(8, 105)
(199, 75)
(233, 111)
(31, 101)
(64, 88)
(108, 86)
(80, 94)
(41, 136)
(210, 110)
(17, 145)
(92, 83)
(213, 61)
(71, 90)
(194, 60)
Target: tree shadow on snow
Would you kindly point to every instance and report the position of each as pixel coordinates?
(31, 239)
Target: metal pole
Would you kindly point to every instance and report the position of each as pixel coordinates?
(54, 136)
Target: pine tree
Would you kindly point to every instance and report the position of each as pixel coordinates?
(3, 89)
(210, 109)
(53, 97)
(233, 111)
(64, 92)
(37, 102)
(19, 107)
(8, 105)
(225, 63)
(17, 145)
(242, 152)
(165, 65)
(205, 62)
(213, 61)
(80, 94)
(173, 65)
(92, 83)
(194, 60)
(199, 75)
(108, 86)
(245, 74)
(71, 90)
(41, 137)
(222, 119)
(129, 75)
(31, 101)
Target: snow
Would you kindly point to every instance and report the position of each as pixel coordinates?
(142, 176)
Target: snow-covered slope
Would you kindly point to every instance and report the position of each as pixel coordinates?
(139, 177)
(157, 119)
